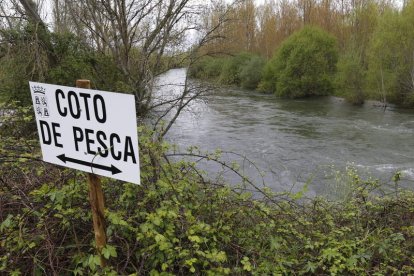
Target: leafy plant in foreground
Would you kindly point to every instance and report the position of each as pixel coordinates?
(179, 222)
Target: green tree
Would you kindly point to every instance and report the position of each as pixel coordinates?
(243, 69)
(303, 66)
(207, 68)
(230, 73)
(391, 57)
(350, 79)
(352, 65)
(251, 72)
(27, 59)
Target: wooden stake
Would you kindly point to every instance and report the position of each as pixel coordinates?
(96, 199)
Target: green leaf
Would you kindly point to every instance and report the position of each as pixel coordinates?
(6, 223)
(93, 262)
(310, 267)
(246, 264)
(109, 251)
(195, 239)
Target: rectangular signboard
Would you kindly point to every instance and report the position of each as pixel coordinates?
(88, 130)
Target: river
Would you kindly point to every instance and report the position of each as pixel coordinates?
(296, 141)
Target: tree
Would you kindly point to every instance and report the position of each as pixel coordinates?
(267, 34)
(350, 79)
(30, 50)
(137, 34)
(136, 39)
(303, 66)
(391, 57)
(237, 31)
(352, 66)
(251, 72)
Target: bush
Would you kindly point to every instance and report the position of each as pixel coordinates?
(178, 222)
(243, 70)
(350, 78)
(232, 67)
(207, 68)
(303, 66)
(268, 82)
(27, 60)
(390, 57)
(251, 72)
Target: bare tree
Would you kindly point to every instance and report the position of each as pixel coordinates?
(138, 34)
(209, 31)
(141, 36)
(35, 46)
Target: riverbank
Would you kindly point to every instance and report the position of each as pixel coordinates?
(180, 221)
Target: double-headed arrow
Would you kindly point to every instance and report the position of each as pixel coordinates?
(112, 168)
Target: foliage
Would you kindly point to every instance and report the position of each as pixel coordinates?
(303, 66)
(206, 68)
(391, 60)
(178, 222)
(232, 67)
(242, 69)
(27, 61)
(251, 72)
(350, 78)
(375, 42)
(268, 82)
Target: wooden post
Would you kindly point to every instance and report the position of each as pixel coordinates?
(96, 199)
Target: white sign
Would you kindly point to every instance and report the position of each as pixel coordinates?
(88, 130)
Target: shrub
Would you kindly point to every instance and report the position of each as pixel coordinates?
(27, 60)
(213, 68)
(390, 57)
(251, 72)
(207, 68)
(303, 66)
(232, 68)
(178, 222)
(243, 69)
(350, 78)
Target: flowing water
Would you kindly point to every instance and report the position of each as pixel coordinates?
(296, 141)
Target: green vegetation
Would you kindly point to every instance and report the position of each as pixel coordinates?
(243, 70)
(251, 72)
(71, 59)
(178, 222)
(350, 79)
(303, 66)
(391, 59)
(375, 42)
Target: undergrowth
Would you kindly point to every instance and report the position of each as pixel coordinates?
(179, 222)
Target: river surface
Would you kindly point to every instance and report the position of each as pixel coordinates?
(296, 141)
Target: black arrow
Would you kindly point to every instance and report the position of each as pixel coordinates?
(112, 168)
